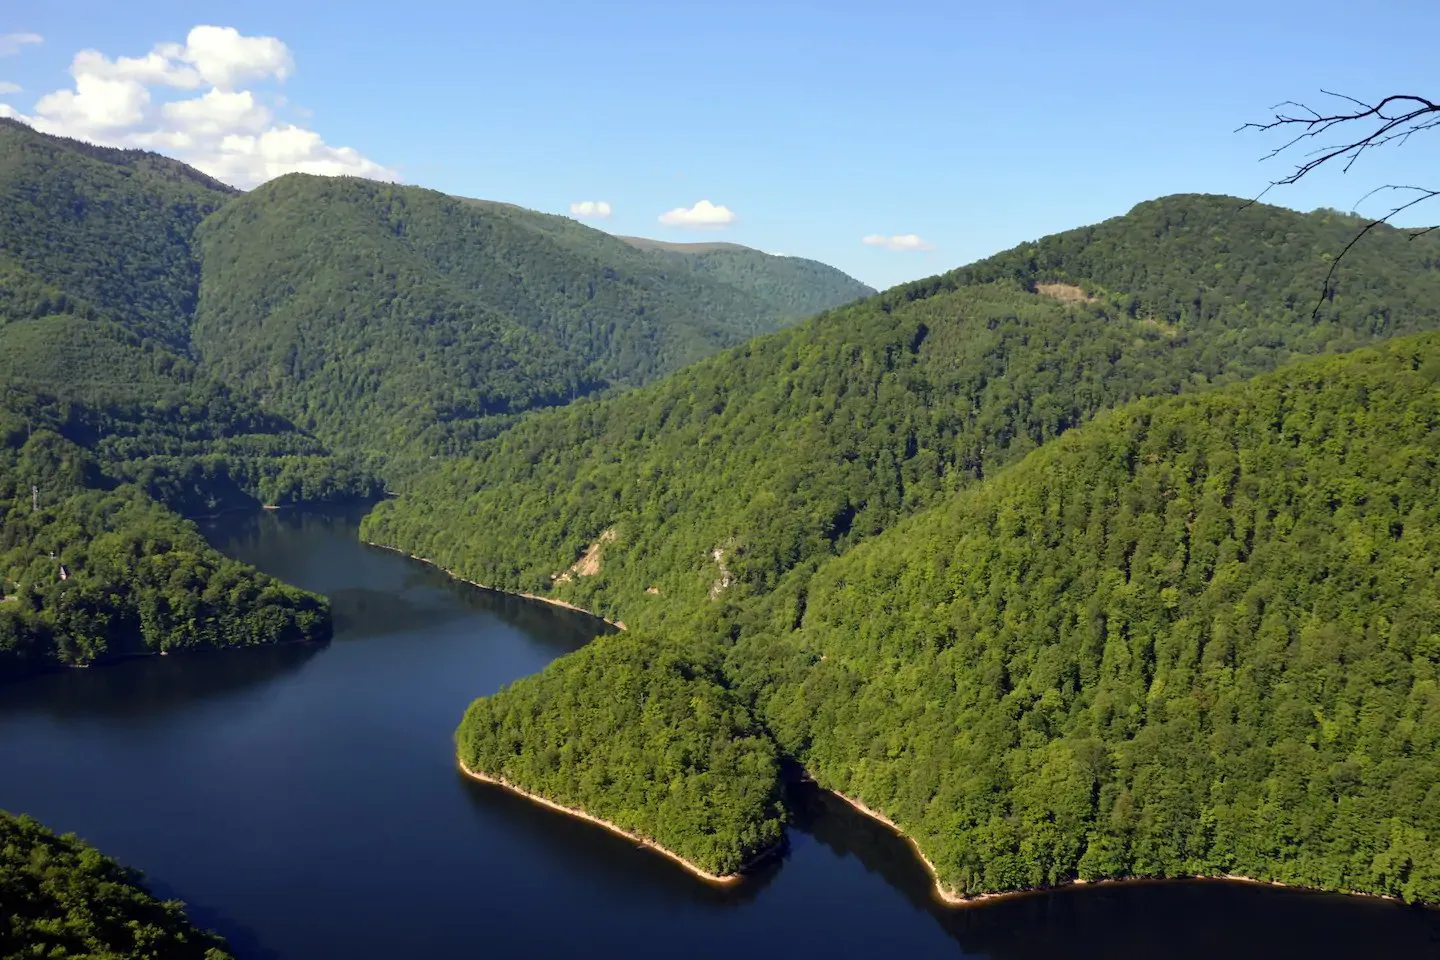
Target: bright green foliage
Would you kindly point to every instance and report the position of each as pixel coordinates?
(1199, 635)
(641, 734)
(383, 316)
(793, 447)
(60, 897)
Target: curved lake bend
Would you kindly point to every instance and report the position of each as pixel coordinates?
(305, 802)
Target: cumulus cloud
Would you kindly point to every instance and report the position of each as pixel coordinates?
(223, 57)
(903, 242)
(210, 123)
(12, 43)
(8, 88)
(590, 208)
(703, 214)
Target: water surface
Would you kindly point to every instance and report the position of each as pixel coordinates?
(305, 802)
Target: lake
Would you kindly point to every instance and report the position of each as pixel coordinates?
(304, 801)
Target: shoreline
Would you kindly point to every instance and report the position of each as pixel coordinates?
(953, 899)
(553, 601)
(943, 894)
(719, 880)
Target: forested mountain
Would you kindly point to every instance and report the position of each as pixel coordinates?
(104, 415)
(382, 316)
(795, 285)
(717, 481)
(1195, 636)
(98, 232)
(383, 319)
(1198, 635)
(98, 293)
(157, 327)
(63, 898)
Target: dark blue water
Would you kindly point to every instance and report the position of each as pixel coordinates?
(304, 801)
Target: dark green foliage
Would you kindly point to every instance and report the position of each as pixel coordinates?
(95, 574)
(795, 286)
(793, 447)
(95, 228)
(60, 897)
(385, 317)
(98, 285)
(1200, 262)
(641, 734)
(1199, 635)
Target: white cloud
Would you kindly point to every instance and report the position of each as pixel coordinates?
(590, 208)
(217, 113)
(226, 132)
(903, 242)
(223, 57)
(8, 88)
(96, 106)
(11, 43)
(152, 69)
(703, 214)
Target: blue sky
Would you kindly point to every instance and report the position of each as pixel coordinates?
(972, 127)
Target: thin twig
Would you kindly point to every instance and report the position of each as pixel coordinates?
(1392, 120)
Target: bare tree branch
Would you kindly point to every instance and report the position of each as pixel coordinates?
(1391, 120)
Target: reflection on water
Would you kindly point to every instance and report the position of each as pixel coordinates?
(591, 853)
(1182, 920)
(305, 801)
(144, 688)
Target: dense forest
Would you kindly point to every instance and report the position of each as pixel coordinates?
(742, 502)
(92, 570)
(66, 899)
(643, 735)
(1197, 636)
(1194, 636)
(384, 317)
(791, 448)
(146, 316)
(798, 286)
(98, 293)
(1110, 555)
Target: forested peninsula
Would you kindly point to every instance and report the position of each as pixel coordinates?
(644, 737)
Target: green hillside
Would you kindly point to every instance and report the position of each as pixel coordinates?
(99, 287)
(796, 286)
(64, 898)
(86, 229)
(793, 447)
(160, 335)
(1198, 636)
(383, 317)
(104, 416)
(1195, 636)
